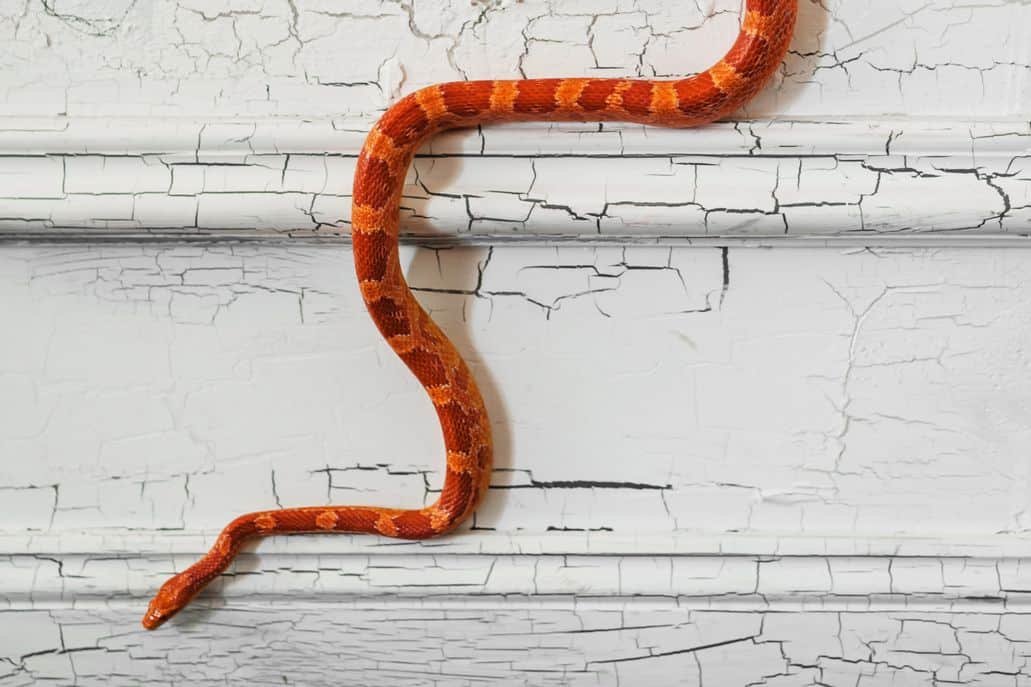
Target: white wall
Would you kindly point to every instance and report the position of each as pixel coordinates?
(759, 390)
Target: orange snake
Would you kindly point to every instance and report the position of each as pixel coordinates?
(766, 29)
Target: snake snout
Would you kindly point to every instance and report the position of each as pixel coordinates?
(167, 602)
(154, 617)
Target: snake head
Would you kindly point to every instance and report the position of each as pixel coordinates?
(155, 616)
(170, 599)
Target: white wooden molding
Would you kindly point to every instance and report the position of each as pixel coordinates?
(864, 181)
(716, 465)
(831, 583)
(647, 400)
(539, 642)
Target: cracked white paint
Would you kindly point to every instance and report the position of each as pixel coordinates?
(867, 395)
(855, 436)
(717, 465)
(245, 117)
(262, 178)
(528, 643)
(315, 57)
(849, 434)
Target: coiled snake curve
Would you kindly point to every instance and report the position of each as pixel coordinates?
(766, 29)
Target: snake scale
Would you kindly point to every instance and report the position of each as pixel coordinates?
(766, 29)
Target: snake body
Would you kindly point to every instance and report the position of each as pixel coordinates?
(766, 29)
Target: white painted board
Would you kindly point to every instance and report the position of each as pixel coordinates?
(759, 390)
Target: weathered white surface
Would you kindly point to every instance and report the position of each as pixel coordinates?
(302, 58)
(655, 642)
(244, 118)
(644, 390)
(716, 465)
(649, 403)
(761, 179)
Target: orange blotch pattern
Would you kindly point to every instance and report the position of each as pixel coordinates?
(378, 184)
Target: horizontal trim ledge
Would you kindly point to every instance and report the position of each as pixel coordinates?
(141, 179)
(240, 137)
(135, 603)
(859, 240)
(683, 543)
(846, 582)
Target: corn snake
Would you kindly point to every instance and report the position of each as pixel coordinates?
(766, 30)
